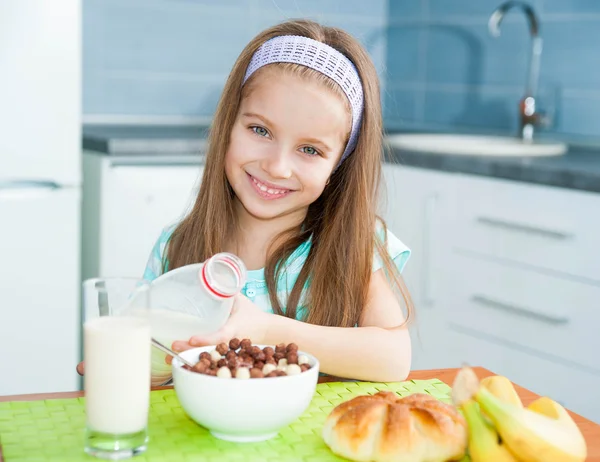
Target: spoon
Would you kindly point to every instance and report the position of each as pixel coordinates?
(170, 352)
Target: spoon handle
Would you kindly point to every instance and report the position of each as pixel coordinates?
(170, 352)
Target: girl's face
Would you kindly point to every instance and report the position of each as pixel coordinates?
(287, 139)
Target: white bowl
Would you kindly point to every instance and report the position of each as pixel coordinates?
(243, 410)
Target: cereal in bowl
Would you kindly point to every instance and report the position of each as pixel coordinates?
(242, 360)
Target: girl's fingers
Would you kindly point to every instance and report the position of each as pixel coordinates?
(180, 345)
(198, 341)
(205, 340)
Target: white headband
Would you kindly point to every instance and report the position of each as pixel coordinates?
(320, 57)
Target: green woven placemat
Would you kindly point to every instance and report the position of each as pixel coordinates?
(52, 430)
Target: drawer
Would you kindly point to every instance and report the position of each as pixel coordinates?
(535, 225)
(554, 317)
(137, 203)
(574, 388)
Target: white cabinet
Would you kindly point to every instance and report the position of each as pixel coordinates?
(546, 315)
(573, 387)
(551, 229)
(126, 204)
(414, 206)
(504, 275)
(38, 282)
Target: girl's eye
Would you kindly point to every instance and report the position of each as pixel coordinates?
(260, 131)
(310, 150)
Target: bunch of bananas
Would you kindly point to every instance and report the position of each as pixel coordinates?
(501, 429)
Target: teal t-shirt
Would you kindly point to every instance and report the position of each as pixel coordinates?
(255, 287)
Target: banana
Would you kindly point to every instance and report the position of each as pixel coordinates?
(544, 432)
(484, 442)
(502, 388)
(550, 408)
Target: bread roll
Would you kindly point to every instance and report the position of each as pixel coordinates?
(384, 427)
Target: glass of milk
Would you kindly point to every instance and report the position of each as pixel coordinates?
(117, 355)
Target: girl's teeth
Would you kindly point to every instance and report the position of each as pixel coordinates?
(263, 188)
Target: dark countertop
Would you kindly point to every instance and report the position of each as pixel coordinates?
(129, 140)
(578, 169)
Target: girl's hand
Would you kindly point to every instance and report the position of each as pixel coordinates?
(246, 320)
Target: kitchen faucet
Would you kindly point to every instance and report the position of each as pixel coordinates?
(529, 116)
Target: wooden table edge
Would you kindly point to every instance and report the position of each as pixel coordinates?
(445, 375)
(590, 430)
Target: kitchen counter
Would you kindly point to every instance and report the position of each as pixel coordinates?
(131, 140)
(590, 430)
(578, 169)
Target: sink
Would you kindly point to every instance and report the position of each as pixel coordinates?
(475, 145)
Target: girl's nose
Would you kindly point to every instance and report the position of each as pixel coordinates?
(277, 164)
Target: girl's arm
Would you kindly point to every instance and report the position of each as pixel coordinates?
(374, 351)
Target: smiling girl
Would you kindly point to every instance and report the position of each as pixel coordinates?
(291, 186)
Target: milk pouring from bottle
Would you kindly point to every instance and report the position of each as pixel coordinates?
(192, 300)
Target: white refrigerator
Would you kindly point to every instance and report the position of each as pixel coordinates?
(40, 195)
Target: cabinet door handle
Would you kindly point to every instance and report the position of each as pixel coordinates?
(26, 189)
(524, 228)
(519, 310)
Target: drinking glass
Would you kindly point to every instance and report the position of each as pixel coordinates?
(117, 350)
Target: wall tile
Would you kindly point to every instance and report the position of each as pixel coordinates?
(403, 47)
(260, 21)
(161, 57)
(371, 34)
(469, 55)
(171, 40)
(92, 28)
(440, 9)
(402, 10)
(173, 4)
(571, 54)
(580, 115)
(372, 37)
(570, 6)
(400, 104)
(301, 8)
(160, 97)
(481, 108)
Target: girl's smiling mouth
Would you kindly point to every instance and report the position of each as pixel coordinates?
(267, 191)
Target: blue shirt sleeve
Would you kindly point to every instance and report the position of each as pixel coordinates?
(154, 266)
(397, 250)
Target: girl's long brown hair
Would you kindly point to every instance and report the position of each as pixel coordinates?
(341, 223)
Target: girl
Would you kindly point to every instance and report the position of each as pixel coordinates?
(290, 186)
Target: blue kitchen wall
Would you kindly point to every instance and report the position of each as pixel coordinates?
(171, 57)
(446, 72)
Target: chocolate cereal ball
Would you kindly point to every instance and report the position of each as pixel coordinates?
(222, 348)
(242, 360)
(281, 348)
